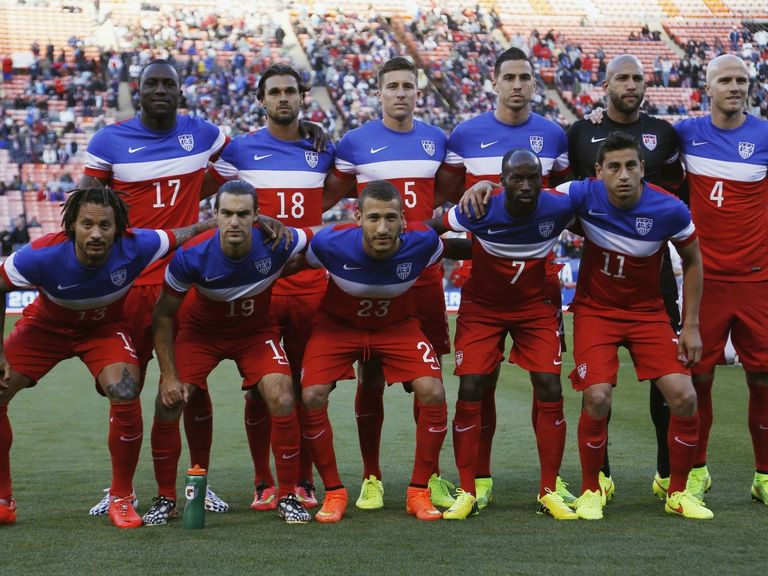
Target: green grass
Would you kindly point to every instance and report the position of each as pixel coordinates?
(60, 465)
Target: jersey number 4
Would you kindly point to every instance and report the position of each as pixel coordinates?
(717, 193)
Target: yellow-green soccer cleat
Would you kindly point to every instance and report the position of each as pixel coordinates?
(699, 482)
(561, 487)
(484, 491)
(688, 506)
(552, 504)
(660, 486)
(440, 492)
(371, 494)
(607, 487)
(464, 507)
(760, 488)
(589, 506)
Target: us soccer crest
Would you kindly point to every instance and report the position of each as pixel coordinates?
(582, 370)
(649, 140)
(746, 149)
(545, 228)
(643, 225)
(264, 266)
(459, 357)
(118, 277)
(312, 158)
(187, 142)
(429, 147)
(537, 143)
(403, 270)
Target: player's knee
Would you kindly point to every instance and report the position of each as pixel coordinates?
(283, 401)
(314, 397)
(547, 386)
(471, 388)
(429, 390)
(683, 402)
(597, 401)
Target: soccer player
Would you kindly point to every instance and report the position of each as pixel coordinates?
(157, 160)
(618, 303)
(624, 85)
(475, 151)
(367, 313)
(83, 274)
(507, 293)
(289, 175)
(726, 157)
(232, 273)
(408, 153)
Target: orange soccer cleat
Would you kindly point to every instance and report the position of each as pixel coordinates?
(419, 504)
(8, 512)
(123, 514)
(334, 506)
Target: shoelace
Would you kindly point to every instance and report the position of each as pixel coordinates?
(308, 489)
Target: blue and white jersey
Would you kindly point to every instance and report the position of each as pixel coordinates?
(366, 292)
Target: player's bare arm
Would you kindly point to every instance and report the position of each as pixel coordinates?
(335, 189)
(87, 181)
(457, 248)
(172, 391)
(689, 342)
(6, 368)
(477, 199)
(210, 186)
(449, 184)
(186, 233)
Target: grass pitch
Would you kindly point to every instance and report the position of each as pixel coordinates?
(60, 465)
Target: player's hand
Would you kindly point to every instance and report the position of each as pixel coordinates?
(689, 345)
(274, 229)
(477, 198)
(596, 116)
(314, 131)
(172, 392)
(6, 368)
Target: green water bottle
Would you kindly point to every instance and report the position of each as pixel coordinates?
(194, 510)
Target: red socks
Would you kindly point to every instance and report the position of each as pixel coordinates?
(704, 407)
(487, 430)
(198, 428)
(125, 433)
(318, 433)
(6, 439)
(683, 440)
(758, 424)
(258, 430)
(430, 433)
(286, 448)
(369, 413)
(466, 439)
(593, 436)
(166, 451)
(550, 441)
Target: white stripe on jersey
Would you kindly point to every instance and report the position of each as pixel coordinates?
(453, 159)
(684, 234)
(89, 303)
(159, 169)
(724, 170)
(164, 248)
(371, 290)
(518, 251)
(13, 273)
(390, 169)
(621, 244)
(454, 222)
(230, 294)
(278, 178)
(225, 169)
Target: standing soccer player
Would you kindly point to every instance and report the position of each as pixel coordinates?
(232, 273)
(475, 151)
(366, 313)
(624, 85)
(408, 153)
(83, 275)
(618, 303)
(507, 293)
(726, 157)
(289, 175)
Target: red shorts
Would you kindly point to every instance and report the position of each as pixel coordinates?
(256, 355)
(138, 307)
(429, 310)
(480, 335)
(32, 350)
(652, 344)
(405, 352)
(292, 314)
(738, 308)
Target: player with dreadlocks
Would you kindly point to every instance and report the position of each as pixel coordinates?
(82, 274)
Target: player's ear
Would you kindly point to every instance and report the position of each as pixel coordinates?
(599, 170)
(358, 216)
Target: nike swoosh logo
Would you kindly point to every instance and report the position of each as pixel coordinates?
(131, 438)
(558, 422)
(595, 140)
(60, 287)
(348, 267)
(377, 150)
(160, 457)
(214, 278)
(484, 145)
(438, 430)
(321, 513)
(257, 157)
(364, 415)
(460, 429)
(199, 418)
(289, 456)
(557, 362)
(314, 437)
(589, 444)
(493, 231)
(132, 150)
(763, 427)
(256, 423)
(592, 212)
(677, 439)
(695, 143)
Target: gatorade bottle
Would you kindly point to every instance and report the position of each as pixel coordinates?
(194, 511)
